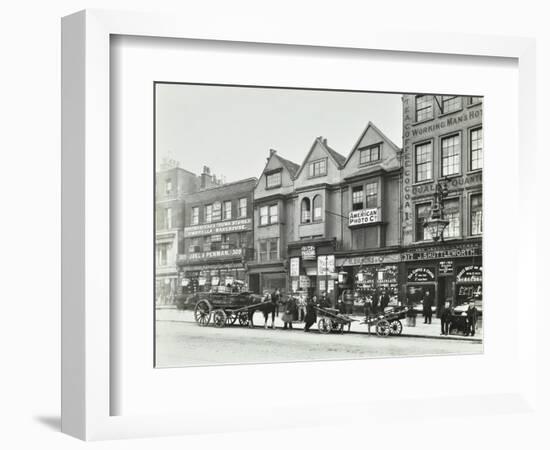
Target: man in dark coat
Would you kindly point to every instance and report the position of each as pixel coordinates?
(276, 299)
(384, 301)
(445, 317)
(471, 318)
(290, 312)
(427, 308)
(311, 314)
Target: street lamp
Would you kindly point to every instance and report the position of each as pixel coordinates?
(436, 224)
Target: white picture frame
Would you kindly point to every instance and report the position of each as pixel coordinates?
(88, 318)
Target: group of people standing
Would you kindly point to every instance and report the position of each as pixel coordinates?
(376, 303)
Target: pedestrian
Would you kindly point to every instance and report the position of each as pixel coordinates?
(311, 314)
(325, 302)
(368, 306)
(289, 314)
(427, 304)
(384, 301)
(341, 306)
(375, 299)
(276, 298)
(445, 317)
(471, 318)
(301, 308)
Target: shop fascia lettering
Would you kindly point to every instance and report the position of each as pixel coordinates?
(213, 254)
(230, 226)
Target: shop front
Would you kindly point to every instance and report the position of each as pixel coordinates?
(448, 272)
(267, 278)
(312, 269)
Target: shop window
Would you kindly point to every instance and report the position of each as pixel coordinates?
(207, 244)
(273, 180)
(450, 155)
(168, 186)
(162, 254)
(450, 103)
(306, 210)
(318, 168)
(168, 217)
(424, 107)
(357, 198)
(476, 215)
(422, 213)
(370, 154)
(195, 215)
(476, 149)
(227, 210)
(451, 212)
(242, 207)
(317, 208)
(423, 162)
(371, 192)
(208, 213)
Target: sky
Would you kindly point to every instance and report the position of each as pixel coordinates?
(232, 129)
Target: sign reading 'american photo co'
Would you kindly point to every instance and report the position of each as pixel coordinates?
(363, 216)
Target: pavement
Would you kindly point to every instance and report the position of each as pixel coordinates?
(421, 330)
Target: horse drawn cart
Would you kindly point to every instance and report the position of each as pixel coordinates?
(330, 319)
(224, 308)
(388, 322)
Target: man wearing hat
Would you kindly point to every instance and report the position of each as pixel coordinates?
(471, 317)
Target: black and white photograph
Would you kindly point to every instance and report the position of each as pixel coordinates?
(308, 225)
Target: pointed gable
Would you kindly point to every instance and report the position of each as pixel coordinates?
(318, 151)
(274, 164)
(371, 138)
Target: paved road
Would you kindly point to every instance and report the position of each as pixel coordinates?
(186, 344)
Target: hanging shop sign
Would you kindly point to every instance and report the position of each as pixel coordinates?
(294, 267)
(421, 275)
(446, 267)
(325, 265)
(363, 217)
(470, 274)
(308, 252)
(226, 226)
(304, 281)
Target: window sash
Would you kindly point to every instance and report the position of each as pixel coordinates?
(357, 198)
(273, 249)
(273, 214)
(424, 108)
(451, 212)
(367, 155)
(242, 207)
(227, 210)
(318, 168)
(273, 179)
(423, 160)
(422, 212)
(476, 215)
(168, 218)
(476, 149)
(208, 213)
(450, 155)
(264, 215)
(450, 103)
(195, 216)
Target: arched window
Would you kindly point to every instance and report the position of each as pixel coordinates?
(306, 210)
(317, 208)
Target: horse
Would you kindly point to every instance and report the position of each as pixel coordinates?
(267, 307)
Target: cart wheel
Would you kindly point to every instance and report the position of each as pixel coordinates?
(383, 328)
(202, 312)
(396, 327)
(231, 319)
(218, 318)
(243, 319)
(324, 325)
(338, 327)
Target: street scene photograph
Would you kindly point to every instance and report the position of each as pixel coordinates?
(307, 224)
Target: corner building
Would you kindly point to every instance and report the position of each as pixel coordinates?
(442, 140)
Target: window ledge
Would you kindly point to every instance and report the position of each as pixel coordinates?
(471, 105)
(451, 112)
(420, 122)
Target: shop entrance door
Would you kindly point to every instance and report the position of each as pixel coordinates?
(444, 292)
(254, 283)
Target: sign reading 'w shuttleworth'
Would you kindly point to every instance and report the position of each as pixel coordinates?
(363, 217)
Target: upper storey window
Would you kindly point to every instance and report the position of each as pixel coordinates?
(450, 103)
(424, 107)
(273, 180)
(318, 168)
(370, 154)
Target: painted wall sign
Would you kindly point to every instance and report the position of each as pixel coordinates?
(421, 275)
(470, 274)
(308, 252)
(229, 226)
(294, 267)
(446, 267)
(366, 260)
(465, 250)
(363, 216)
(200, 256)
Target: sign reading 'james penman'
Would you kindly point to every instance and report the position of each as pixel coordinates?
(363, 216)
